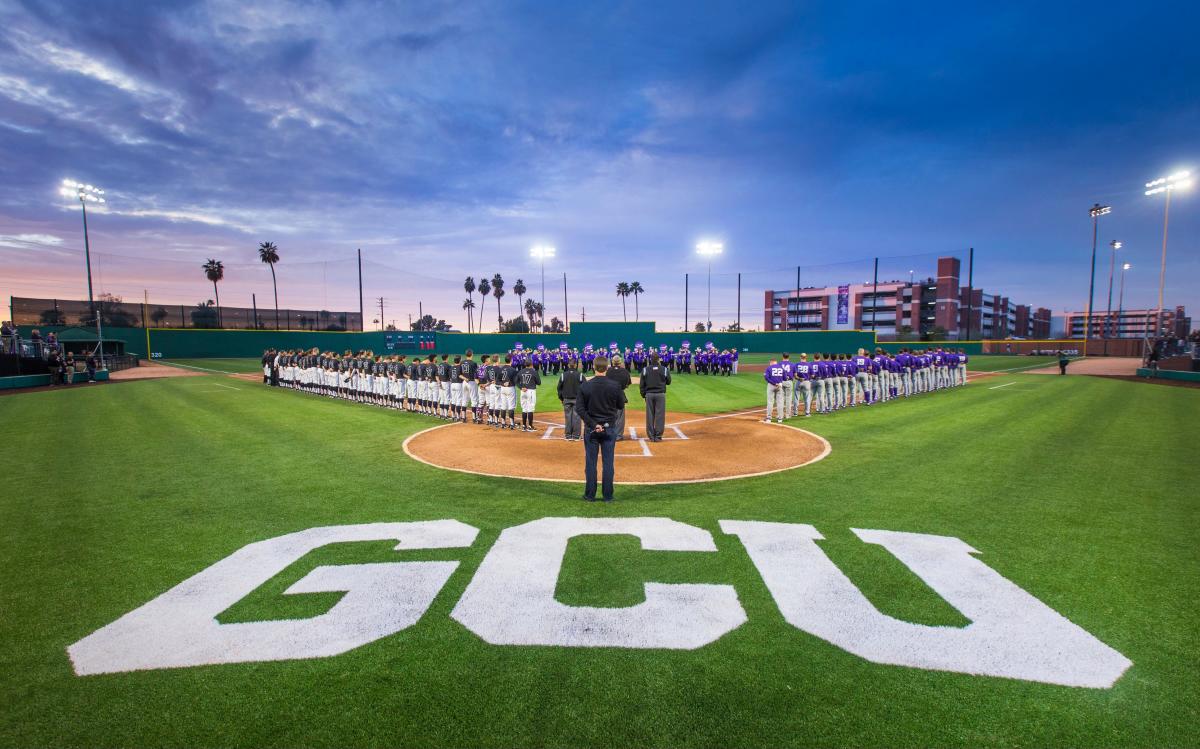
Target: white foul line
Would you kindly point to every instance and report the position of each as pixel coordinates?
(189, 366)
(997, 387)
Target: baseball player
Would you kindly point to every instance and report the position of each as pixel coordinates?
(506, 378)
(788, 385)
(804, 384)
(470, 387)
(863, 377)
(775, 375)
(528, 380)
(456, 390)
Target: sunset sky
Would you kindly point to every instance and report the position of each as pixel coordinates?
(445, 140)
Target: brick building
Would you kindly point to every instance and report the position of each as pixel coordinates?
(1129, 323)
(920, 306)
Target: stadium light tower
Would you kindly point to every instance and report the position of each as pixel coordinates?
(708, 249)
(1096, 212)
(1177, 181)
(1112, 260)
(541, 252)
(87, 194)
(1121, 298)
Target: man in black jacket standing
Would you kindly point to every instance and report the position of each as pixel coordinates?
(653, 387)
(600, 400)
(621, 376)
(569, 383)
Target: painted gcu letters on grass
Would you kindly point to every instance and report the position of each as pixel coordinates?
(510, 601)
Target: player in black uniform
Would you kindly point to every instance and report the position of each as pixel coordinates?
(470, 387)
(508, 393)
(528, 380)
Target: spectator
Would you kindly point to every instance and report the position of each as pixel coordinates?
(1152, 361)
(8, 338)
(52, 341)
(35, 337)
(91, 368)
(69, 367)
(55, 365)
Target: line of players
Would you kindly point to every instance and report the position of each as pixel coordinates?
(450, 388)
(684, 361)
(830, 382)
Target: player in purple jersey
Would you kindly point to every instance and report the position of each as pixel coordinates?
(789, 385)
(804, 385)
(775, 375)
(863, 377)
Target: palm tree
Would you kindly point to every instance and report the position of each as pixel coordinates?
(468, 305)
(469, 287)
(269, 254)
(530, 307)
(623, 291)
(636, 289)
(214, 270)
(519, 289)
(498, 291)
(485, 287)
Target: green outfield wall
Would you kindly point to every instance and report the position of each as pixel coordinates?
(189, 343)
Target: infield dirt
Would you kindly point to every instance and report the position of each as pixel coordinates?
(694, 449)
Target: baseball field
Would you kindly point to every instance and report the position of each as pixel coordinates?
(1076, 495)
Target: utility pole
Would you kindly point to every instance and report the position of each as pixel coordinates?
(787, 325)
(361, 316)
(685, 302)
(739, 317)
(381, 324)
(875, 297)
(970, 289)
(566, 309)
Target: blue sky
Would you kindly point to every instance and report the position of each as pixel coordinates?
(446, 139)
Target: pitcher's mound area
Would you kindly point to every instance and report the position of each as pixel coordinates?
(694, 449)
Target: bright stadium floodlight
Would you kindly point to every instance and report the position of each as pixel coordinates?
(86, 193)
(542, 252)
(1180, 180)
(708, 248)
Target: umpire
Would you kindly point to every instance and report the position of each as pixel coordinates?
(621, 376)
(600, 400)
(569, 383)
(653, 387)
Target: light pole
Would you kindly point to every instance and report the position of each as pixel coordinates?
(708, 249)
(1177, 181)
(542, 252)
(1112, 259)
(88, 194)
(1121, 298)
(1096, 212)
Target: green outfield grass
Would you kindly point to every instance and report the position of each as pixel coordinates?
(227, 366)
(1080, 490)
